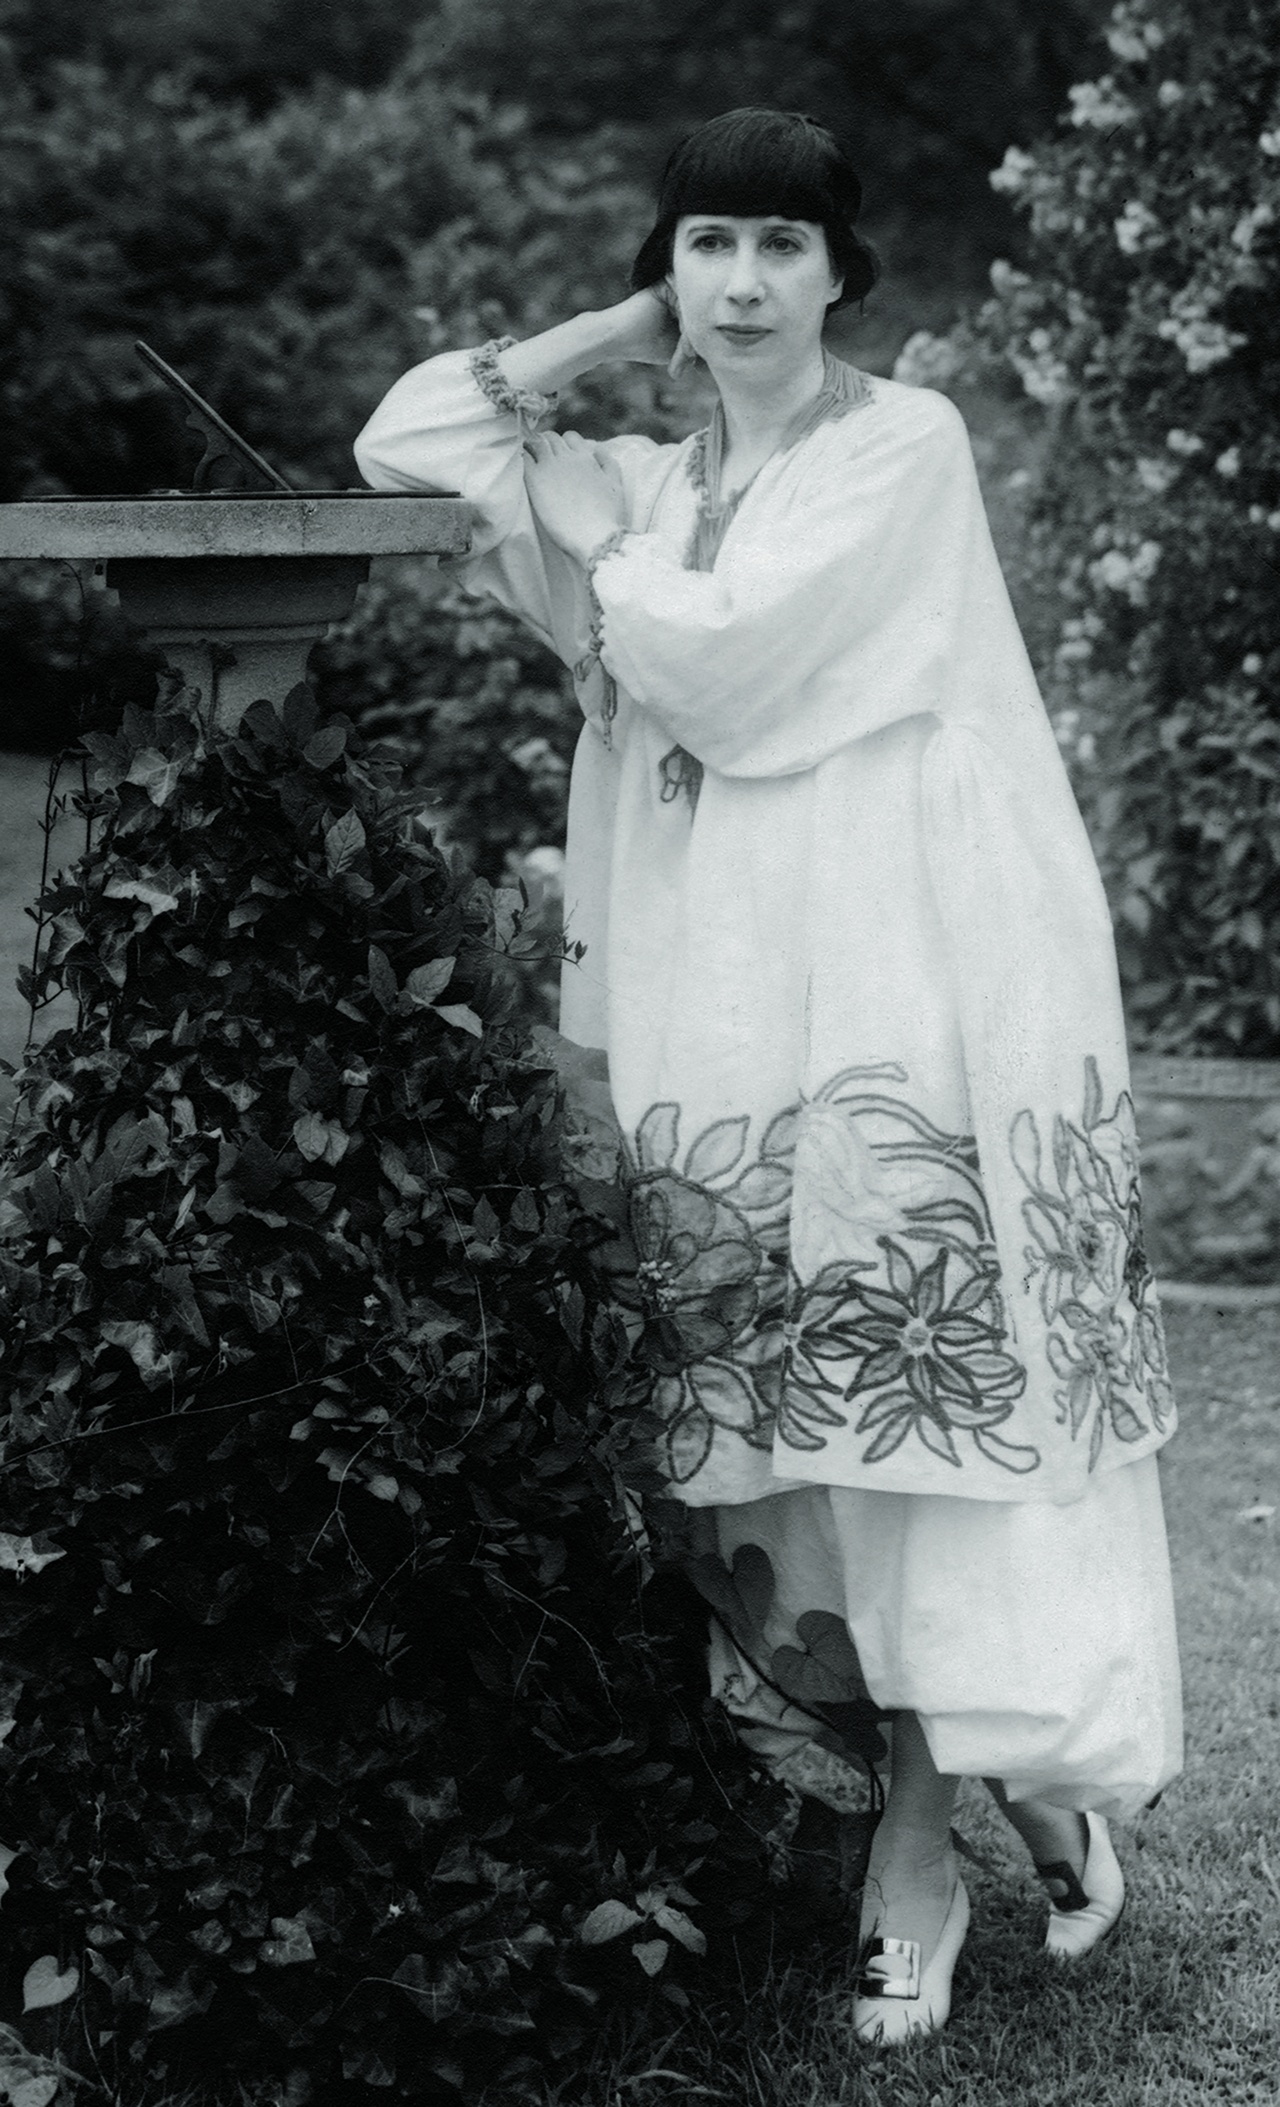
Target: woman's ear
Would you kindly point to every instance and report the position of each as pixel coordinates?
(837, 291)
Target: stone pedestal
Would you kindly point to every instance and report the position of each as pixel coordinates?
(236, 589)
(237, 627)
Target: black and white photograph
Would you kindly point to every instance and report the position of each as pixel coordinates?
(640, 1053)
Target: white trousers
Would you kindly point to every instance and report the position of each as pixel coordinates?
(1035, 1643)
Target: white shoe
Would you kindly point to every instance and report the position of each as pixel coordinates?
(1085, 1907)
(895, 1996)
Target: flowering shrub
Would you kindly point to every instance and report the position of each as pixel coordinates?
(1145, 325)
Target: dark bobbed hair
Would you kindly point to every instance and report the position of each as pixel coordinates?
(757, 164)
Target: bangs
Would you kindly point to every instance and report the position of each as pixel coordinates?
(759, 164)
(763, 164)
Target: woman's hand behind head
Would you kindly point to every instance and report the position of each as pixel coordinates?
(646, 328)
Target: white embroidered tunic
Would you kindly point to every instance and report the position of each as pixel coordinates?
(856, 985)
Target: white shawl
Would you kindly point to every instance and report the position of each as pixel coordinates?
(858, 993)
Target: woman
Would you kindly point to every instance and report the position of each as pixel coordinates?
(849, 958)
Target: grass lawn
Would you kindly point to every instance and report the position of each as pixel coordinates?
(1183, 2008)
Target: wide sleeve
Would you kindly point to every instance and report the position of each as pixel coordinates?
(456, 423)
(822, 621)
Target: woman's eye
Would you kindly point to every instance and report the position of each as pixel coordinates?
(708, 241)
(787, 243)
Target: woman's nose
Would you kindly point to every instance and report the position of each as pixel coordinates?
(743, 282)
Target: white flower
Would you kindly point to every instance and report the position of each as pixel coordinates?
(1097, 102)
(1228, 463)
(1251, 664)
(1273, 521)
(1269, 143)
(1202, 343)
(926, 361)
(1004, 278)
(1130, 37)
(1247, 226)
(1134, 225)
(1046, 379)
(1086, 747)
(1169, 93)
(1156, 474)
(1180, 442)
(1129, 575)
(1257, 514)
(1013, 172)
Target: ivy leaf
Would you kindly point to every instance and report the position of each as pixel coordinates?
(458, 1013)
(46, 1984)
(608, 1920)
(319, 1139)
(343, 842)
(676, 1922)
(34, 2091)
(171, 2003)
(290, 1945)
(381, 979)
(828, 1671)
(324, 746)
(19, 1555)
(651, 1954)
(299, 713)
(155, 773)
(426, 982)
(142, 1346)
(153, 896)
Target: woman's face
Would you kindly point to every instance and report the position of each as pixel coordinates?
(753, 293)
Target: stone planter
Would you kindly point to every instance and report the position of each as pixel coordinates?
(1210, 1135)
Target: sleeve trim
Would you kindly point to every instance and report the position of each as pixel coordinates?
(482, 364)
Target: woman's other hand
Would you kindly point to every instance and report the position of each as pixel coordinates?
(576, 500)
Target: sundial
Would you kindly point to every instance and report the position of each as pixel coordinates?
(235, 584)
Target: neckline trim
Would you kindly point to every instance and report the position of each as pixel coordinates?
(844, 388)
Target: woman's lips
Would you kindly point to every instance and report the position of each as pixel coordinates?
(741, 332)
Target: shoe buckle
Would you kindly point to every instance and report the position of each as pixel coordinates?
(896, 1965)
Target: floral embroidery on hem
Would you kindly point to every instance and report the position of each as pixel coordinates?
(874, 1304)
(1094, 1287)
(482, 364)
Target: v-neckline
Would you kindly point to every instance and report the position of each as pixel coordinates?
(844, 388)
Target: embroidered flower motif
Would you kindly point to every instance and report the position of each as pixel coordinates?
(1094, 1286)
(844, 1275)
(704, 1266)
(930, 1359)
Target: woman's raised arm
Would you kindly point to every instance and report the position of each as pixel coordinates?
(639, 329)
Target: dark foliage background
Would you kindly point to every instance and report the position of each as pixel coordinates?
(336, 1706)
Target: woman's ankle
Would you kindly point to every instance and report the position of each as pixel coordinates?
(1053, 1835)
